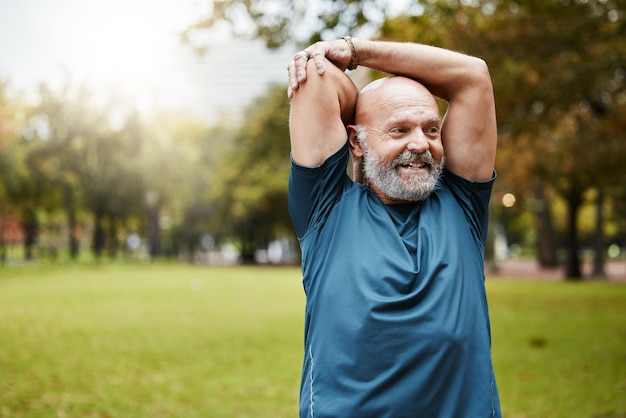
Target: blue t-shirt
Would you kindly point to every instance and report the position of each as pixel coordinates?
(396, 321)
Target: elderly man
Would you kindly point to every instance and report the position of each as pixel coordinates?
(396, 321)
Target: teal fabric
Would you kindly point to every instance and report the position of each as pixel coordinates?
(396, 320)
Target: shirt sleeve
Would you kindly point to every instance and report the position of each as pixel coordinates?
(474, 198)
(313, 192)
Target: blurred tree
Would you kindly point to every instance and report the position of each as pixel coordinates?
(286, 21)
(250, 184)
(7, 136)
(562, 89)
(558, 71)
(26, 190)
(617, 212)
(113, 187)
(177, 162)
(55, 127)
(18, 191)
(93, 155)
(86, 154)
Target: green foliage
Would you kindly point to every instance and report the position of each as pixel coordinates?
(21, 194)
(250, 194)
(558, 72)
(184, 341)
(560, 94)
(204, 150)
(566, 89)
(77, 157)
(131, 173)
(559, 76)
(281, 22)
(109, 170)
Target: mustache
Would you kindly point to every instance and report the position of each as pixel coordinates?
(409, 156)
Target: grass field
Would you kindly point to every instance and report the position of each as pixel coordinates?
(189, 341)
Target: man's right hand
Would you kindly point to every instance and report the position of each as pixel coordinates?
(336, 51)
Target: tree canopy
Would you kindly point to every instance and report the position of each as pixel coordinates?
(558, 70)
(281, 22)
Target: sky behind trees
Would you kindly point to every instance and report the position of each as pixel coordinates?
(133, 45)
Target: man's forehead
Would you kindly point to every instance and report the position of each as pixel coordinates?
(386, 82)
(422, 114)
(391, 87)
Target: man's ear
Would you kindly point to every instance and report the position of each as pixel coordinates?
(355, 144)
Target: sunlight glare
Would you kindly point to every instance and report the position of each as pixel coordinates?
(508, 200)
(131, 44)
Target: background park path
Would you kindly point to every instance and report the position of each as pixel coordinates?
(529, 269)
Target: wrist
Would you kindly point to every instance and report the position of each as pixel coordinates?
(354, 53)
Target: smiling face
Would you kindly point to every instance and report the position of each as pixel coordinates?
(399, 138)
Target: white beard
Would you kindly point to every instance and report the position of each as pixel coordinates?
(386, 178)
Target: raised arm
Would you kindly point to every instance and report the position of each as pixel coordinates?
(469, 132)
(321, 108)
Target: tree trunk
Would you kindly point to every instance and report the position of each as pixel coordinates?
(72, 224)
(598, 238)
(112, 242)
(572, 261)
(154, 231)
(3, 246)
(98, 234)
(30, 226)
(546, 245)
(248, 247)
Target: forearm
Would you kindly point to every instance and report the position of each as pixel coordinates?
(468, 133)
(445, 73)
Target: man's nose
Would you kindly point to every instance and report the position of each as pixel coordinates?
(417, 142)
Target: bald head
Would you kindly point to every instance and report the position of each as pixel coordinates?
(381, 95)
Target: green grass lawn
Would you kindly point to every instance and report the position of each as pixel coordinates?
(188, 341)
(559, 348)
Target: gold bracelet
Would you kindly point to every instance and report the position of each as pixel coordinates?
(354, 59)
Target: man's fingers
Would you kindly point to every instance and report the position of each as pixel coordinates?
(297, 69)
(292, 78)
(320, 65)
(300, 60)
(297, 66)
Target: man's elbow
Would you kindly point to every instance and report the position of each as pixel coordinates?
(479, 71)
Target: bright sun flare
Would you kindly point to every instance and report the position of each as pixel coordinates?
(133, 42)
(130, 51)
